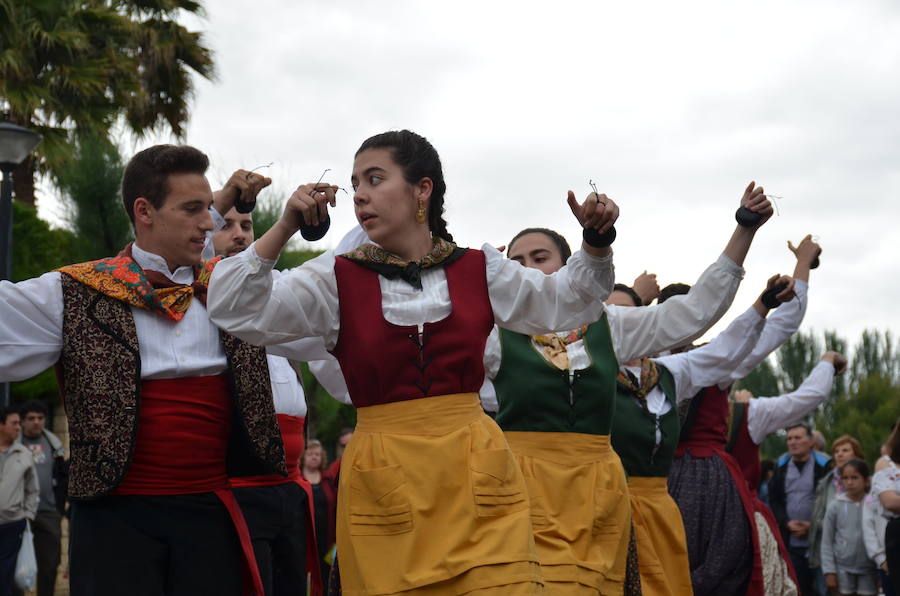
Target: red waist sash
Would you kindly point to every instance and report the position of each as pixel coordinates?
(292, 436)
(182, 441)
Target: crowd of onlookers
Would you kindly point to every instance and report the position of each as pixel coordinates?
(834, 511)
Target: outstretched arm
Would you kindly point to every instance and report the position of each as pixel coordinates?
(646, 331)
(713, 363)
(768, 414)
(31, 326)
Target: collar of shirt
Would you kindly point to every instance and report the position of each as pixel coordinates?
(153, 262)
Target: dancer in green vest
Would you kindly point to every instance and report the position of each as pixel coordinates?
(646, 429)
(556, 397)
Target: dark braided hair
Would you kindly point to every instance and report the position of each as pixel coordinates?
(419, 159)
(564, 251)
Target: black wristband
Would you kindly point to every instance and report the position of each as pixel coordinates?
(592, 238)
(313, 233)
(747, 218)
(769, 299)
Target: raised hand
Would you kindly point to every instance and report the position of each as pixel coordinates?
(779, 289)
(807, 251)
(755, 209)
(597, 212)
(646, 287)
(837, 360)
(308, 205)
(241, 190)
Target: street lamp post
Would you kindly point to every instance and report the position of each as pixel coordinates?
(15, 145)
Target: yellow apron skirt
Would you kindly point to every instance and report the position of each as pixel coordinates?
(431, 502)
(579, 510)
(661, 543)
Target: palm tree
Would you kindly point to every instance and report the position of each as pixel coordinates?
(78, 66)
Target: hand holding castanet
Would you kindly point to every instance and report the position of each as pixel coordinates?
(596, 215)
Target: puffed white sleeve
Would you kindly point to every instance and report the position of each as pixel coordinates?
(247, 300)
(765, 415)
(527, 300)
(780, 326)
(712, 364)
(647, 330)
(31, 326)
(329, 374)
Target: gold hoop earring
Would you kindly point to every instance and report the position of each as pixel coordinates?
(420, 212)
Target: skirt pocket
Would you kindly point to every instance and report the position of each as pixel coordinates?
(497, 484)
(379, 505)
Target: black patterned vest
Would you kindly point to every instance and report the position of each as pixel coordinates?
(100, 378)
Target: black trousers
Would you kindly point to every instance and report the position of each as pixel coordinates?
(892, 550)
(276, 517)
(179, 545)
(47, 531)
(10, 541)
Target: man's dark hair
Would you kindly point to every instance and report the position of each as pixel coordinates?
(631, 293)
(672, 290)
(564, 250)
(147, 173)
(6, 411)
(802, 425)
(33, 405)
(345, 431)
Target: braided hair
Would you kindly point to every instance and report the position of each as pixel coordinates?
(419, 159)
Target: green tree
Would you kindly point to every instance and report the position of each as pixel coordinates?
(38, 249)
(797, 357)
(763, 381)
(875, 354)
(91, 183)
(84, 65)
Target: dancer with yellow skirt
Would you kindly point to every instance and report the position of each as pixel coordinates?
(431, 500)
(556, 396)
(645, 433)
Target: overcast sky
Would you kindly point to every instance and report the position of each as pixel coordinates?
(670, 107)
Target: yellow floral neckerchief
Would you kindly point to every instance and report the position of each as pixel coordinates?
(553, 347)
(391, 266)
(120, 277)
(649, 379)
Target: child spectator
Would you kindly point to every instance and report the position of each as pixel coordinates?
(845, 563)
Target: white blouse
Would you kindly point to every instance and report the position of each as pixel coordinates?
(706, 365)
(647, 330)
(765, 415)
(247, 300)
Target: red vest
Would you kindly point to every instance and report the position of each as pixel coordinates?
(384, 363)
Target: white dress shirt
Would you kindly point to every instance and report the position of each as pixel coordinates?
(31, 329)
(246, 299)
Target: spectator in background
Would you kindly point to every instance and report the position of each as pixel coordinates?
(50, 464)
(847, 567)
(766, 468)
(313, 466)
(886, 486)
(792, 495)
(19, 494)
(843, 450)
(343, 438)
(819, 440)
(875, 520)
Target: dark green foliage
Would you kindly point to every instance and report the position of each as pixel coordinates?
(37, 249)
(86, 65)
(91, 183)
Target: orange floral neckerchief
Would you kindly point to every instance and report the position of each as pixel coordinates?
(120, 277)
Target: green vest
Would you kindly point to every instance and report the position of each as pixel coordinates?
(634, 431)
(535, 396)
